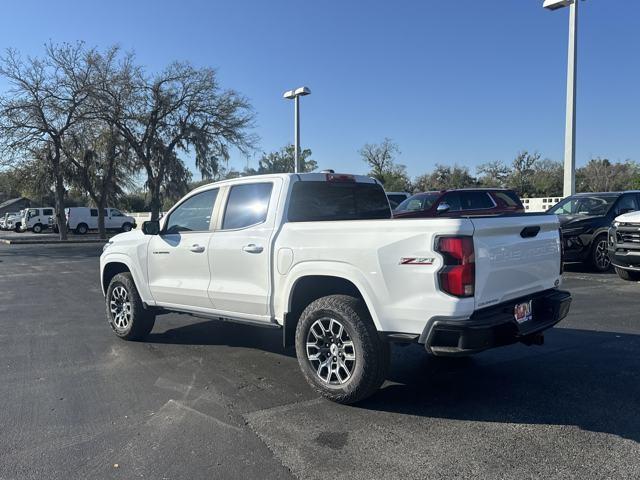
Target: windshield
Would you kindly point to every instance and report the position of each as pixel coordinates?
(583, 205)
(421, 201)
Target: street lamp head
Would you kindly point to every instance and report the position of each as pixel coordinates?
(298, 92)
(556, 4)
(302, 91)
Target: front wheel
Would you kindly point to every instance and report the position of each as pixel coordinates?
(600, 255)
(125, 312)
(629, 275)
(339, 351)
(126, 227)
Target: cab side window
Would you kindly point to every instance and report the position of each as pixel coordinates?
(476, 201)
(247, 205)
(194, 214)
(453, 200)
(47, 211)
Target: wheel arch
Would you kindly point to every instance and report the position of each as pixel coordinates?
(110, 270)
(310, 286)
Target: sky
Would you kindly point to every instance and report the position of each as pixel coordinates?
(451, 82)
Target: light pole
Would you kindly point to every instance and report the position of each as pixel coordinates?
(295, 96)
(569, 184)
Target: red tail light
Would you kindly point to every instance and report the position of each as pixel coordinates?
(458, 275)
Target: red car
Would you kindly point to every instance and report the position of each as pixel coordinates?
(460, 203)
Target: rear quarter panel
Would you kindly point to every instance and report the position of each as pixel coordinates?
(401, 298)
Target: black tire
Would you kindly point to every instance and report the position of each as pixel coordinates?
(628, 275)
(599, 248)
(37, 228)
(16, 227)
(82, 229)
(370, 363)
(127, 227)
(140, 321)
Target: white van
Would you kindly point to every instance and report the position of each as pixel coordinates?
(36, 219)
(83, 219)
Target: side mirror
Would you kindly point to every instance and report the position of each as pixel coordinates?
(151, 227)
(443, 208)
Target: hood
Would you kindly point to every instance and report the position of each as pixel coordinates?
(571, 224)
(127, 236)
(572, 221)
(629, 217)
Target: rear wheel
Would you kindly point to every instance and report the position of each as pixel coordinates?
(82, 229)
(599, 254)
(339, 351)
(37, 228)
(125, 312)
(628, 275)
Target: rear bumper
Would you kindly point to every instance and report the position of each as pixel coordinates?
(495, 326)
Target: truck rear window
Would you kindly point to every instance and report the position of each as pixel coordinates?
(326, 201)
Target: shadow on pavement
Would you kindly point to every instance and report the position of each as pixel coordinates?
(217, 332)
(584, 378)
(585, 268)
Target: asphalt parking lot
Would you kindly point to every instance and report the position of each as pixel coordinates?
(203, 399)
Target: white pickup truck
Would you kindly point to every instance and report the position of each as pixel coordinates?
(319, 257)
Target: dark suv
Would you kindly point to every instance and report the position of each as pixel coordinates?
(585, 219)
(460, 203)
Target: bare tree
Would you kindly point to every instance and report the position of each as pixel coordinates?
(601, 175)
(493, 174)
(99, 161)
(182, 109)
(380, 157)
(46, 99)
(445, 177)
(381, 160)
(523, 171)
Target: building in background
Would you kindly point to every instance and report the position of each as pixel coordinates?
(14, 205)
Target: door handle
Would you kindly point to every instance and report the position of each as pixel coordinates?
(197, 248)
(252, 248)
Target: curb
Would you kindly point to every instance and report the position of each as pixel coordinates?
(18, 241)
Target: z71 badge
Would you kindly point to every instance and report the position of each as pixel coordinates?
(416, 261)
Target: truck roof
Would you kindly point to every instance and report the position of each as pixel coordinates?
(300, 177)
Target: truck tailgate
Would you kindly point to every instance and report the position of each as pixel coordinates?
(515, 256)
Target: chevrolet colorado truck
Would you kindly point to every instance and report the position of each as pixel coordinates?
(320, 257)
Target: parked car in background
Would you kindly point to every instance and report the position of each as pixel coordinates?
(82, 219)
(460, 203)
(585, 219)
(6, 218)
(36, 219)
(319, 257)
(624, 245)
(396, 198)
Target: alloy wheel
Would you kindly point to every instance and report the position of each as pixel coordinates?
(120, 307)
(603, 262)
(330, 351)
